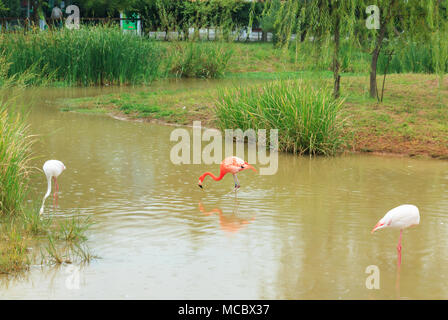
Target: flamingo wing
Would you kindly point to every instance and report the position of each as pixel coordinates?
(53, 168)
(233, 164)
(402, 216)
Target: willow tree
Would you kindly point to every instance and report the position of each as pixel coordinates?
(322, 21)
(268, 17)
(398, 19)
(4, 8)
(100, 8)
(334, 19)
(285, 22)
(252, 15)
(438, 26)
(197, 14)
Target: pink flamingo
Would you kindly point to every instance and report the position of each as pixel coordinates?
(52, 169)
(401, 217)
(231, 165)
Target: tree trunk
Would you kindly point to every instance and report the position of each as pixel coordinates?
(264, 36)
(337, 77)
(373, 65)
(385, 73)
(303, 35)
(375, 56)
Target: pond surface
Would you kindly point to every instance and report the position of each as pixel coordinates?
(303, 233)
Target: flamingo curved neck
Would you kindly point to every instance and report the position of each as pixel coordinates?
(46, 194)
(221, 175)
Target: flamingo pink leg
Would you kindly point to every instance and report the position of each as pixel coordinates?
(57, 190)
(399, 248)
(54, 194)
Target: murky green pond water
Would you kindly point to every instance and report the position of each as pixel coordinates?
(303, 233)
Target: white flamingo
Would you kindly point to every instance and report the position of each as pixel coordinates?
(401, 217)
(52, 169)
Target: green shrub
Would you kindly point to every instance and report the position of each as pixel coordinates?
(200, 59)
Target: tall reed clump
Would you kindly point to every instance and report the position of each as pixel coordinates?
(200, 59)
(89, 56)
(308, 119)
(15, 155)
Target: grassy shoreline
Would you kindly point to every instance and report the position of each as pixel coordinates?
(411, 120)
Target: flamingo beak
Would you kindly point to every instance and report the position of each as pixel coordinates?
(248, 166)
(379, 225)
(200, 184)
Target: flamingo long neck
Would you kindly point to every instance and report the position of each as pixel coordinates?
(46, 194)
(221, 175)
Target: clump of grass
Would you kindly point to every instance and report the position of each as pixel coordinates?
(13, 250)
(15, 156)
(54, 254)
(88, 56)
(32, 224)
(60, 240)
(200, 59)
(83, 253)
(73, 229)
(308, 118)
(71, 252)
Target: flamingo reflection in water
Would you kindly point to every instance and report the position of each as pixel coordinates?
(230, 223)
